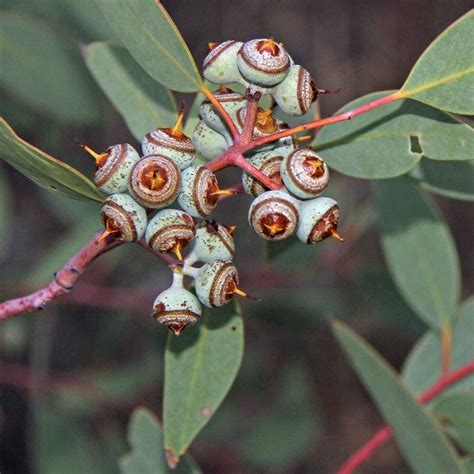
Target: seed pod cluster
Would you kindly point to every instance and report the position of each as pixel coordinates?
(170, 172)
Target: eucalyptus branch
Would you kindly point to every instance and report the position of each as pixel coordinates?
(228, 120)
(63, 280)
(385, 433)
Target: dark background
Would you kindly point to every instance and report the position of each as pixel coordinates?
(361, 46)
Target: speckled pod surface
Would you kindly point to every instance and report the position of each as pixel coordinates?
(197, 185)
(269, 164)
(167, 228)
(220, 65)
(161, 142)
(140, 182)
(208, 142)
(296, 93)
(304, 173)
(231, 102)
(112, 176)
(213, 242)
(274, 210)
(176, 308)
(318, 218)
(216, 282)
(126, 215)
(263, 65)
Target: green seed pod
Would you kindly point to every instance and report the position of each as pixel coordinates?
(155, 181)
(199, 191)
(263, 62)
(304, 173)
(297, 92)
(176, 307)
(213, 242)
(208, 142)
(268, 163)
(170, 230)
(319, 219)
(170, 142)
(274, 215)
(216, 283)
(220, 65)
(265, 123)
(113, 167)
(123, 218)
(231, 102)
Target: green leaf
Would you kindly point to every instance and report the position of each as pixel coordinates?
(40, 67)
(151, 37)
(390, 140)
(200, 367)
(147, 456)
(43, 169)
(420, 439)
(280, 442)
(422, 368)
(419, 250)
(143, 104)
(450, 179)
(443, 76)
(456, 410)
(468, 464)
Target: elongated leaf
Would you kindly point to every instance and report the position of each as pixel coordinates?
(43, 169)
(143, 104)
(147, 456)
(450, 179)
(200, 367)
(457, 411)
(151, 37)
(41, 68)
(444, 74)
(422, 368)
(390, 140)
(420, 439)
(419, 250)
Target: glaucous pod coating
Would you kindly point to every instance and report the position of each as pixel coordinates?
(213, 242)
(170, 142)
(113, 168)
(231, 102)
(154, 181)
(208, 142)
(263, 62)
(216, 283)
(304, 173)
(176, 308)
(123, 217)
(170, 230)
(199, 191)
(220, 64)
(268, 162)
(297, 92)
(274, 215)
(319, 219)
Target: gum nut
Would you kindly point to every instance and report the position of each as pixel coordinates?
(208, 142)
(220, 64)
(213, 242)
(319, 219)
(216, 282)
(122, 215)
(269, 164)
(274, 215)
(304, 173)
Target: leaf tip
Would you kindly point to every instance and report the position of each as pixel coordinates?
(171, 459)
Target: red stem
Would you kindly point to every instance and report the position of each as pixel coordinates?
(384, 433)
(63, 280)
(228, 120)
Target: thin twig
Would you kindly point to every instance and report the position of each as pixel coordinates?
(384, 433)
(63, 280)
(228, 120)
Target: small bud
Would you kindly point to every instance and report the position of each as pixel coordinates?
(213, 242)
(220, 65)
(319, 220)
(304, 173)
(170, 230)
(123, 218)
(263, 62)
(274, 215)
(155, 181)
